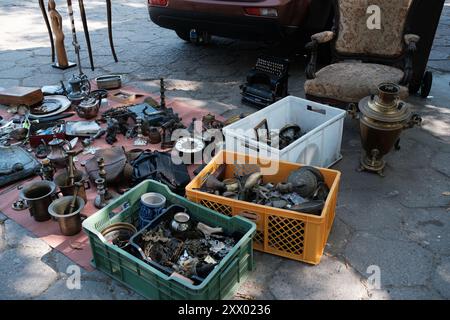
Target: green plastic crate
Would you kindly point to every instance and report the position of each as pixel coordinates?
(148, 281)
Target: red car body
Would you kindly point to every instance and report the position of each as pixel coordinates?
(245, 19)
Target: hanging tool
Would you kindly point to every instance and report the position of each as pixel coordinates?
(71, 166)
(71, 207)
(75, 43)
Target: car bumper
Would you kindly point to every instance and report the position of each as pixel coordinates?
(233, 26)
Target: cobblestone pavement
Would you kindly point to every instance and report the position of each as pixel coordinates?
(400, 223)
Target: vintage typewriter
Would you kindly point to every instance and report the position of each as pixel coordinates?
(267, 82)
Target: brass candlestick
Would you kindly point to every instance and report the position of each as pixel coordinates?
(108, 194)
(100, 200)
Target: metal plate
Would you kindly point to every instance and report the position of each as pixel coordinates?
(62, 100)
(46, 107)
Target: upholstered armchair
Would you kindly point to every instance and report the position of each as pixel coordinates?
(363, 54)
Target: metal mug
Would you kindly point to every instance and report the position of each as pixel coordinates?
(68, 190)
(180, 222)
(39, 195)
(70, 224)
(152, 204)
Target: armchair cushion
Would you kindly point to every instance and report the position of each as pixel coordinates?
(354, 36)
(352, 81)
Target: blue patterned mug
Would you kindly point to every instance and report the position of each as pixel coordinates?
(152, 204)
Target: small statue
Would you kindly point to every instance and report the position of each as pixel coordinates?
(47, 170)
(111, 130)
(57, 27)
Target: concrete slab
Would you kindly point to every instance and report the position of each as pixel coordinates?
(441, 279)
(405, 293)
(3, 243)
(22, 275)
(90, 290)
(18, 237)
(430, 228)
(293, 280)
(3, 218)
(401, 262)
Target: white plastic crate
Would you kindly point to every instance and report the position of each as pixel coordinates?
(320, 146)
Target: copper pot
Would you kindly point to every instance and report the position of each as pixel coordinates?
(383, 118)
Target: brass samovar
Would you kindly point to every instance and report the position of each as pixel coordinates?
(383, 117)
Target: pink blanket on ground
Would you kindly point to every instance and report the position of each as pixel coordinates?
(77, 247)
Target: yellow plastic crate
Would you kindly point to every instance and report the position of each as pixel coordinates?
(286, 233)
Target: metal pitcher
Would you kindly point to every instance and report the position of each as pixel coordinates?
(57, 155)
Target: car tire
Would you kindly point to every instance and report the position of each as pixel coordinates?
(183, 34)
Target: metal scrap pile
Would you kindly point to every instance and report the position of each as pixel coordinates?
(304, 191)
(192, 253)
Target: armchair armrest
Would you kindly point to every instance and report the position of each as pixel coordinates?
(323, 37)
(411, 41)
(316, 39)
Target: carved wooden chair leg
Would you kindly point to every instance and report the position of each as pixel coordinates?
(47, 23)
(86, 33)
(111, 42)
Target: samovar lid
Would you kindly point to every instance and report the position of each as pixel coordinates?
(386, 106)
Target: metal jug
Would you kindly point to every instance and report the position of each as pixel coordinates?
(57, 155)
(80, 88)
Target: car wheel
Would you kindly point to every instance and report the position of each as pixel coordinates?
(183, 34)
